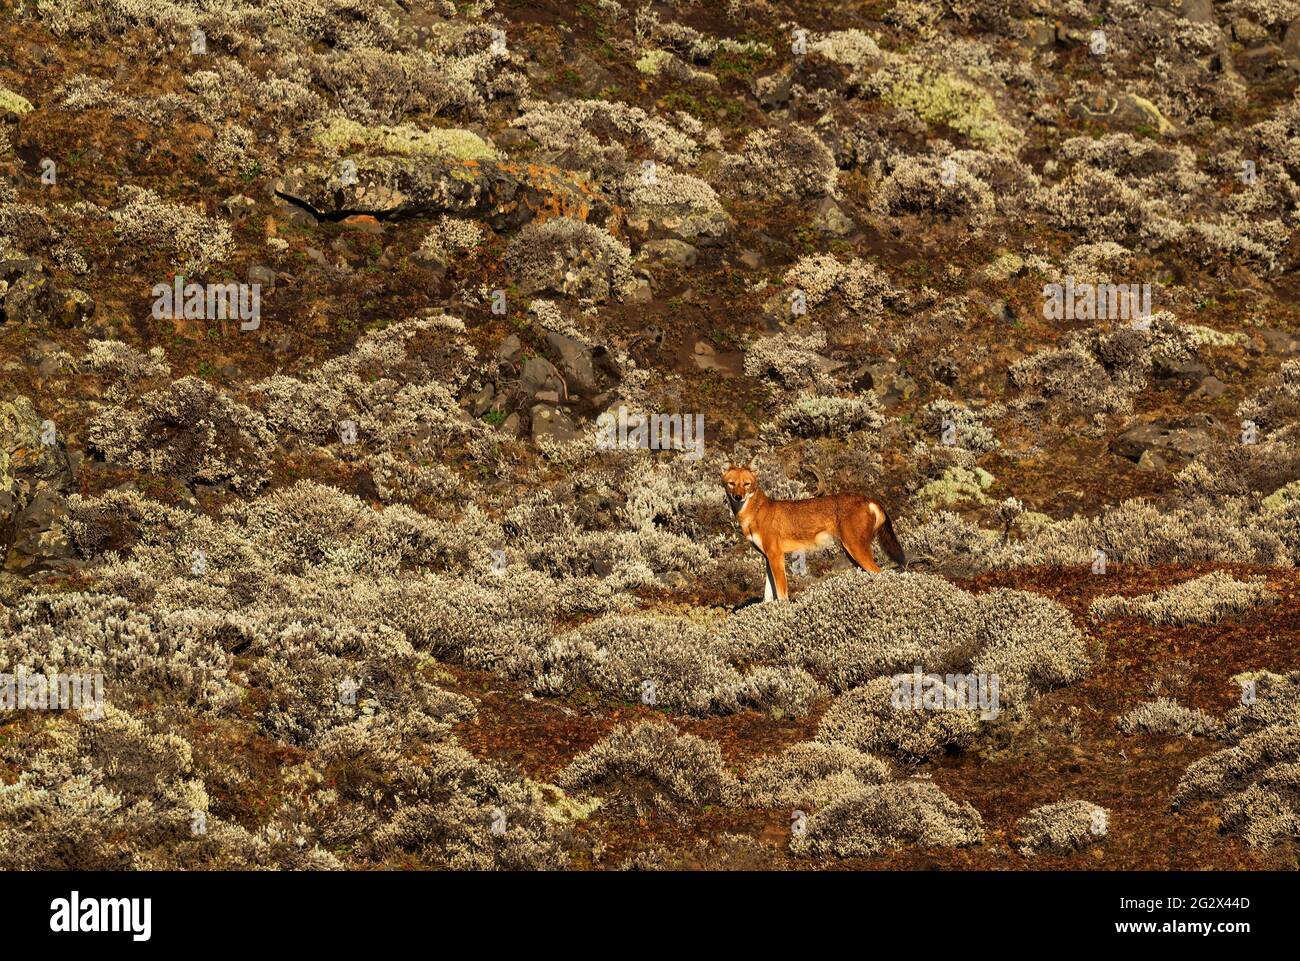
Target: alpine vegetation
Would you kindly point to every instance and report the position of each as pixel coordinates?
(1102, 301)
(387, 390)
(655, 431)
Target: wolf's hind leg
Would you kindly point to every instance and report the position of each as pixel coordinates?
(856, 532)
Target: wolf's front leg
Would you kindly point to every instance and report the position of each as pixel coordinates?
(769, 585)
(777, 567)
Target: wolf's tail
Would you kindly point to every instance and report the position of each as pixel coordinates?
(890, 541)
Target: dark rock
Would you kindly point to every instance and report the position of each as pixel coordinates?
(1180, 371)
(773, 90)
(395, 188)
(1187, 436)
(728, 364)
(575, 363)
(432, 262)
(641, 292)
(1041, 33)
(886, 380)
(40, 541)
(1291, 40)
(1258, 63)
(1151, 461)
(511, 139)
(552, 423)
(34, 477)
(261, 275)
(945, 371)
(605, 365)
(831, 219)
(238, 207)
(539, 374)
(674, 251)
(1211, 388)
(483, 400)
(511, 350)
(364, 486)
(1280, 342)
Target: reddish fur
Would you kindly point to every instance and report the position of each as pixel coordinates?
(776, 528)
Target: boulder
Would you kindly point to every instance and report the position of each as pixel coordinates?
(1186, 436)
(511, 350)
(831, 219)
(671, 250)
(552, 423)
(886, 380)
(28, 295)
(1187, 372)
(1280, 342)
(1197, 11)
(539, 374)
(35, 474)
(505, 196)
(575, 363)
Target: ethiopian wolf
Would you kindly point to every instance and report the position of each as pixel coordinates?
(776, 528)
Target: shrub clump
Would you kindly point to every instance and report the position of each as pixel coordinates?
(854, 627)
(117, 794)
(945, 98)
(651, 767)
(783, 162)
(867, 719)
(1277, 404)
(859, 285)
(625, 657)
(1167, 716)
(1254, 781)
(123, 366)
(1061, 828)
(791, 361)
(570, 257)
(814, 415)
(971, 433)
(144, 217)
(812, 774)
(189, 430)
(1203, 600)
(935, 186)
(893, 814)
(403, 140)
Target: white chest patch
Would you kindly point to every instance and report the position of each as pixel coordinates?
(756, 540)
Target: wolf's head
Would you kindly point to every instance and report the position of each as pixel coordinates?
(739, 483)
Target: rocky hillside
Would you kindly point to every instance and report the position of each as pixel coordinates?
(368, 369)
